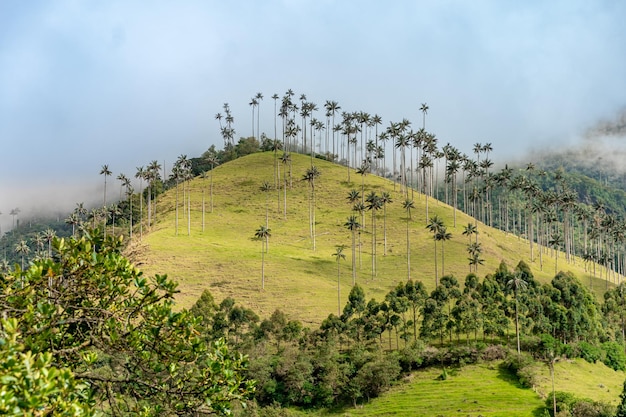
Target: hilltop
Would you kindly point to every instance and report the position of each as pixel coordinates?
(302, 282)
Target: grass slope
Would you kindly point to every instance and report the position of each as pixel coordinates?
(485, 389)
(475, 390)
(299, 280)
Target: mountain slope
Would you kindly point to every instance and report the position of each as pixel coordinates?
(225, 258)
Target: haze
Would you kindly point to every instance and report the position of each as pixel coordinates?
(87, 83)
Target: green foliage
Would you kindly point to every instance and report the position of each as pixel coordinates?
(31, 385)
(589, 352)
(92, 310)
(614, 356)
(568, 405)
(522, 366)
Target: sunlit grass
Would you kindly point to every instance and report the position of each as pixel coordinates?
(299, 280)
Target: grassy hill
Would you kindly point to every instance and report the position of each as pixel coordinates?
(299, 280)
(486, 389)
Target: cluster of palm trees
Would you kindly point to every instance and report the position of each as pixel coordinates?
(508, 199)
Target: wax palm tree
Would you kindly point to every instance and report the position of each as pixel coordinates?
(22, 249)
(275, 98)
(339, 255)
(353, 225)
(81, 211)
(49, 235)
(253, 103)
(442, 236)
(106, 172)
(362, 171)
(374, 204)
(333, 108)
(259, 98)
(152, 175)
(129, 195)
(408, 205)
(474, 250)
(353, 196)
(310, 175)
(140, 174)
(213, 162)
(266, 187)
(14, 212)
(385, 199)
(263, 234)
(517, 284)
(114, 210)
(39, 241)
(435, 226)
(286, 161)
(73, 220)
(555, 241)
(359, 207)
(424, 109)
(470, 230)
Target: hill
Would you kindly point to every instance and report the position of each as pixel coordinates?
(300, 280)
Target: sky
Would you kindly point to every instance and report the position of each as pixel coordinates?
(117, 82)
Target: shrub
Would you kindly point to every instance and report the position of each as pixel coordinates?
(568, 404)
(522, 367)
(588, 408)
(564, 402)
(461, 355)
(589, 352)
(614, 356)
(412, 356)
(494, 353)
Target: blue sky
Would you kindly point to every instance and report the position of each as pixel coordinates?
(87, 83)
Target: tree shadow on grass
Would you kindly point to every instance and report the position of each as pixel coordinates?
(508, 376)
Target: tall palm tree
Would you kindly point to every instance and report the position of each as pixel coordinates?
(266, 187)
(424, 109)
(258, 97)
(385, 198)
(339, 255)
(213, 162)
(263, 234)
(517, 284)
(106, 172)
(141, 174)
(73, 220)
(333, 108)
(408, 205)
(374, 204)
(253, 103)
(129, 195)
(353, 225)
(49, 235)
(286, 161)
(470, 230)
(442, 235)
(22, 249)
(14, 212)
(39, 241)
(152, 175)
(310, 176)
(435, 226)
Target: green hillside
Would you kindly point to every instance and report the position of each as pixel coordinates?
(302, 282)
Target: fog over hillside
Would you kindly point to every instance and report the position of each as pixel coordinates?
(602, 147)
